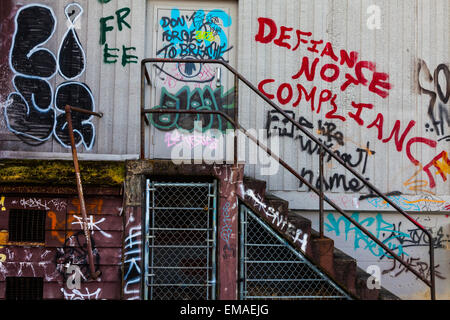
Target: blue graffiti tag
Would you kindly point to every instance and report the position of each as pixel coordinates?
(400, 201)
(203, 38)
(382, 230)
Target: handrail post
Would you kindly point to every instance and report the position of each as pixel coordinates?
(432, 271)
(235, 118)
(321, 179)
(143, 115)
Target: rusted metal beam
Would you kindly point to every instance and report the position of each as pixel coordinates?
(94, 274)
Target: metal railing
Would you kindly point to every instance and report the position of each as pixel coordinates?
(271, 268)
(323, 149)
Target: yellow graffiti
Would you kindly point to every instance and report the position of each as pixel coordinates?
(4, 235)
(444, 166)
(206, 35)
(417, 185)
(2, 258)
(2, 203)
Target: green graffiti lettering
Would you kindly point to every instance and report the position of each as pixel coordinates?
(104, 28)
(107, 56)
(121, 15)
(128, 58)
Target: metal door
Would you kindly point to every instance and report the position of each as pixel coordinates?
(190, 30)
(180, 246)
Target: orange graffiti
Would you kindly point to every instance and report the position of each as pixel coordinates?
(417, 185)
(93, 206)
(439, 166)
(425, 200)
(58, 226)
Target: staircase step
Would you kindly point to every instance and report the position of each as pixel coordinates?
(362, 291)
(300, 222)
(258, 186)
(345, 270)
(322, 250)
(387, 295)
(280, 205)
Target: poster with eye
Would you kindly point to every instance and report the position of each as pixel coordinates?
(194, 31)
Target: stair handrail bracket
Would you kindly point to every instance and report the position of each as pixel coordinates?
(323, 150)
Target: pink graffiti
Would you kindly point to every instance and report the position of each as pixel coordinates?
(174, 138)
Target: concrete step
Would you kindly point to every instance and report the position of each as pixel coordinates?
(341, 267)
(345, 270)
(321, 251)
(362, 290)
(258, 186)
(281, 205)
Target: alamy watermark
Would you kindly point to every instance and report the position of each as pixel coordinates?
(214, 146)
(374, 20)
(74, 280)
(374, 281)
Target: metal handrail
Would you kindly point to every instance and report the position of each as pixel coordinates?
(323, 149)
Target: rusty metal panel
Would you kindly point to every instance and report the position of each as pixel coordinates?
(64, 244)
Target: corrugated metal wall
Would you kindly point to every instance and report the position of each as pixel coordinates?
(409, 32)
(114, 84)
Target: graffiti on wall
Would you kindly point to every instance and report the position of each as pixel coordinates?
(200, 35)
(347, 70)
(437, 87)
(132, 258)
(404, 241)
(197, 99)
(189, 34)
(112, 55)
(76, 294)
(332, 138)
(75, 252)
(226, 230)
(36, 112)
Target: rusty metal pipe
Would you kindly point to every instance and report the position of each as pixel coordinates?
(322, 181)
(68, 109)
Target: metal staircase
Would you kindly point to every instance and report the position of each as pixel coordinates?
(322, 242)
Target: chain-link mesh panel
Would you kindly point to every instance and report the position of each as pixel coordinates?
(180, 251)
(272, 269)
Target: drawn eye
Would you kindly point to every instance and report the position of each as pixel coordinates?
(208, 102)
(195, 104)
